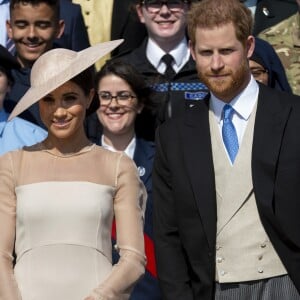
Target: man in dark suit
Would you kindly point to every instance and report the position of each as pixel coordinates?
(226, 175)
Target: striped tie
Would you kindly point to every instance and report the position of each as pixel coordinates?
(10, 46)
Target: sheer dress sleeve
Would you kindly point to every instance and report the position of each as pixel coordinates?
(8, 286)
(129, 208)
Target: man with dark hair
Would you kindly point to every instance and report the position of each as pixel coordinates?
(226, 175)
(33, 26)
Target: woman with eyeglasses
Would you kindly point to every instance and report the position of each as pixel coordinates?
(119, 125)
(267, 68)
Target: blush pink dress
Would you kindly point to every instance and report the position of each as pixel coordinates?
(56, 213)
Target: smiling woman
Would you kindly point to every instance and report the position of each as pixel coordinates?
(58, 198)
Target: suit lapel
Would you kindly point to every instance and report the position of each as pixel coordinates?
(198, 158)
(143, 158)
(271, 118)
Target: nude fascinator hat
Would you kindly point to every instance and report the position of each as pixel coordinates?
(57, 66)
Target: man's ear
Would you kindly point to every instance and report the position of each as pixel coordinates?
(250, 45)
(9, 29)
(60, 29)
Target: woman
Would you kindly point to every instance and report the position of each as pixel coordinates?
(267, 68)
(58, 198)
(117, 126)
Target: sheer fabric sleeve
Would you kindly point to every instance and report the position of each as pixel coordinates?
(8, 285)
(129, 208)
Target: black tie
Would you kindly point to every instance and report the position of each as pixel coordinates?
(168, 59)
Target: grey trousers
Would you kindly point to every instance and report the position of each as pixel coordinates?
(275, 288)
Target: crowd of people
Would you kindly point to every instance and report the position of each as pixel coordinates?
(149, 149)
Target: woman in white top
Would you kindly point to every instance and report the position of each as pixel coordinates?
(58, 198)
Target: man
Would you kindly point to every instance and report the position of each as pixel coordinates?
(33, 26)
(226, 175)
(110, 20)
(285, 38)
(174, 79)
(269, 12)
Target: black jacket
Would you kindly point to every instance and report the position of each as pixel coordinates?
(170, 96)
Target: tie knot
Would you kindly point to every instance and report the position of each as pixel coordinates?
(168, 59)
(227, 111)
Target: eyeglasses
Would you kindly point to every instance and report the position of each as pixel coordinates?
(154, 6)
(122, 98)
(258, 72)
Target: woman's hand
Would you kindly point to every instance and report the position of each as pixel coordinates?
(89, 298)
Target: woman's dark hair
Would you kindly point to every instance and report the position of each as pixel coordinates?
(130, 75)
(85, 80)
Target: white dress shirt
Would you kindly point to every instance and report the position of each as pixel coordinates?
(181, 55)
(243, 105)
(129, 149)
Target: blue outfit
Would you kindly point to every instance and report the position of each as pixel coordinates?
(18, 133)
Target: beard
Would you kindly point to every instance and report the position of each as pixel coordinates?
(228, 87)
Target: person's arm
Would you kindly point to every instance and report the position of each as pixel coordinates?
(129, 207)
(172, 268)
(8, 286)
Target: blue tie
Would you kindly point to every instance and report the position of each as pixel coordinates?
(229, 133)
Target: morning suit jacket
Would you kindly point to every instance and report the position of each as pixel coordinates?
(271, 12)
(185, 200)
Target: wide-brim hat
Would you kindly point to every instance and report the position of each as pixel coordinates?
(57, 66)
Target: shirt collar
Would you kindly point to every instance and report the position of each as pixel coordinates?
(154, 53)
(129, 149)
(243, 103)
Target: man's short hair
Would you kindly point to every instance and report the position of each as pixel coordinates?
(54, 4)
(214, 13)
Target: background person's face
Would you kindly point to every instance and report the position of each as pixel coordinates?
(115, 117)
(164, 25)
(33, 29)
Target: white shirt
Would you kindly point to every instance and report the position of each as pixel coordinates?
(181, 55)
(243, 105)
(129, 149)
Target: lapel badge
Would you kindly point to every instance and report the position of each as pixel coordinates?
(266, 12)
(141, 171)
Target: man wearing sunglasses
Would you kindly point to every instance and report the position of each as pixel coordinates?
(164, 58)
